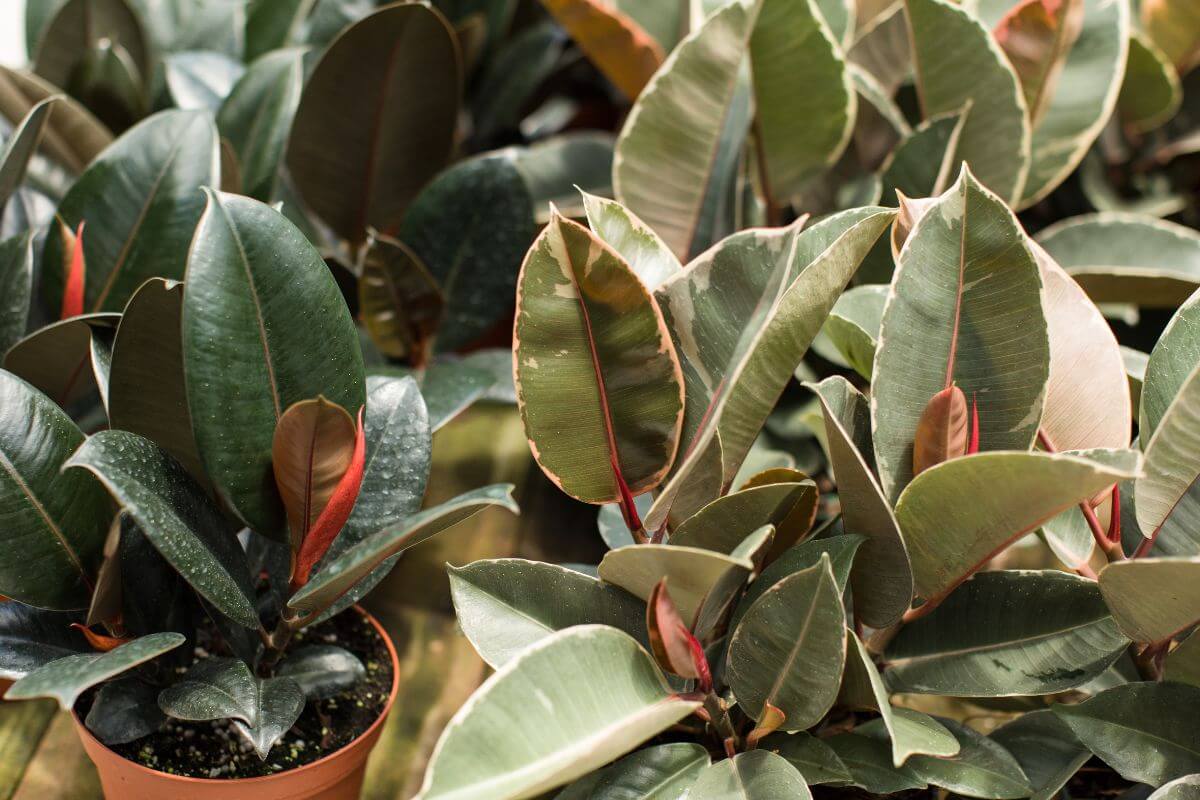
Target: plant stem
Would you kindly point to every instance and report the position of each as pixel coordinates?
(719, 717)
(1149, 660)
(1112, 550)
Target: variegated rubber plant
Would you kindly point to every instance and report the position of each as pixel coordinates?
(245, 478)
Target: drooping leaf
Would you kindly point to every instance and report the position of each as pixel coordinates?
(789, 648)
(1150, 91)
(400, 303)
(678, 148)
(322, 670)
(257, 114)
(264, 326)
(603, 696)
(661, 771)
(176, 516)
(1145, 731)
(471, 227)
(69, 677)
(56, 523)
(140, 226)
(1046, 749)
(615, 43)
(800, 133)
(147, 395)
(125, 710)
(910, 732)
(1007, 633)
(982, 768)
(882, 578)
(694, 575)
(1127, 258)
(760, 361)
(815, 759)
(16, 286)
(941, 328)
(31, 638)
(995, 139)
(337, 576)
(579, 310)
(220, 688)
(1153, 598)
(376, 118)
(755, 775)
(60, 359)
(647, 255)
(506, 605)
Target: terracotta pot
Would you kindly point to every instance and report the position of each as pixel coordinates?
(337, 776)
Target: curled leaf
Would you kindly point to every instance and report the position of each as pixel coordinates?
(941, 430)
(100, 642)
(310, 452)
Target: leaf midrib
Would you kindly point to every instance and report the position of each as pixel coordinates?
(997, 646)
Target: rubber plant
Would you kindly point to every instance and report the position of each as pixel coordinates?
(237, 477)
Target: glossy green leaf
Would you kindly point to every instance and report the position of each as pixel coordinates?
(882, 49)
(1153, 598)
(841, 550)
(73, 137)
(220, 688)
(853, 325)
(16, 286)
(923, 164)
(800, 133)
(56, 523)
(692, 574)
(58, 359)
(511, 77)
(175, 514)
(870, 763)
(322, 670)
(789, 648)
(1145, 731)
(264, 326)
(1127, 258)
(140, 225)
(506, 605)
(558, 168)
(1046, 749)
(395, 474)
(982, 768)
(125, 710)
(1007, 633)
(1166, 497)
(592, 356)
(756, 775)
(200, 79)
(911, 732)
(376, 118)
(965, 259)
(79, 25)
(31, 638)
(147, 395)
(676, 150)
(1169, 367)
(661, 772)
(759, 350)
(1185, 788)
(725, 522)
(337, 576)
(273, 24)
(471, 227)
(67, 678)
(1150, 91)
(1183, 663)
(20, 146)
(257, 114)
(602, 696)
(882, 578)
(995, 139)
(647, 254)
(815, 759)
(400, 303)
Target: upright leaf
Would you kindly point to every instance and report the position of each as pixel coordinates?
(789, 647)
(647, 255)
(592, 356)
(965, 258)
(16, 286)
(1167, 497)
(176, 516)
(19, 149)
(1029, 633)
(603, 697)
(995, 138)
(138, 227)
(376, 118)
(264, 326)
(399, 301)
(1037, 35)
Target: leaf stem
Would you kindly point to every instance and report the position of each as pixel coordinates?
(1112, 550)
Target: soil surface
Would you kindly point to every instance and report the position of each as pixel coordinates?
(216, 750)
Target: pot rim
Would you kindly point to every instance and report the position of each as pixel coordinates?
(379, 721)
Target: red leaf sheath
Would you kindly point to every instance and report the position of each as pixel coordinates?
(72, 305)
(99, 641)
(333, 517)
(973, 445)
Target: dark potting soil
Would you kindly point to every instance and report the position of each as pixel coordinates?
(216, 750)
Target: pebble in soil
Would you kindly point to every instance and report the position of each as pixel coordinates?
(216, 750)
